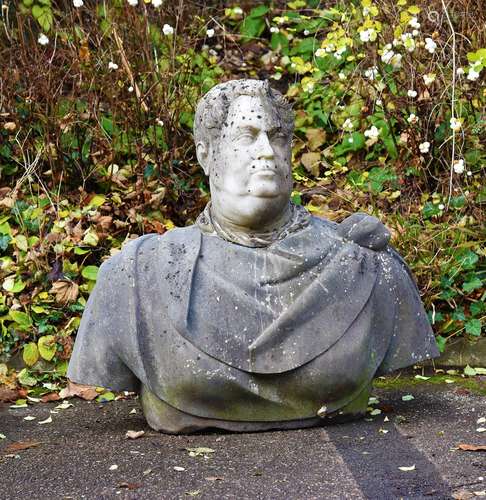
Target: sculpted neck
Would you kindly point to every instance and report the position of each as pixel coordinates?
(249, 216)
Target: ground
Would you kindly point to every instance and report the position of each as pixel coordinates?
(77, 453)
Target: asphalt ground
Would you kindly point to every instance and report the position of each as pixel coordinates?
(83, 453)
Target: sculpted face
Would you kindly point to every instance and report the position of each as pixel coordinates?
(250, 172)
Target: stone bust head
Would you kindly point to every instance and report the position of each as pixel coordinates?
(243, 132)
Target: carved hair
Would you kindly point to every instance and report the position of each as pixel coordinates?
(212, 109)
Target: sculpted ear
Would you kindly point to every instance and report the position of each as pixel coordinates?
(202, 153)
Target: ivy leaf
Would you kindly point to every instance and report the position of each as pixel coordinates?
(25, 378)
(472, 284)
(90, 273)
(473, 327)
(13, 285)
(47, 347)
(23, 320)
(30, 354)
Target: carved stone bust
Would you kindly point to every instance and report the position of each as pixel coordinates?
(259, 316)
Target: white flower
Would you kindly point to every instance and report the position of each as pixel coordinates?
(378, 102)
(372, 133)
(133, 3)
(469, 173)
(472, 74)
(341, 76)
(414, 23)
(430, 45)
(424, 147)
(396, 60)
(167, 29)
(368, 35)
(210, 32)
(237, 10)
(43, 40)
(415, 32)
(308, 86)
(371, 73)
(351, 140)
(320, 53)
(455, 124)
(348, 125)
(366, 11)
(413, 119)
(429, 78)
(306, 32)
(441, 206)
(408, 42)
(78, 3)
(412, 93)
(458, 166)
(274, 29)
(112, 65)
(130, 89)
(160, 122)
(157, 3)
(459, 71)
(387, 55)
(339, 52)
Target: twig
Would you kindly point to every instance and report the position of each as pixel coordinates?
(453, 100)
(124, 60)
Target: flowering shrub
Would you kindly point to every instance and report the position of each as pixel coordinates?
(96, 112)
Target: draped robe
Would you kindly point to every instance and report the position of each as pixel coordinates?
(216, 334)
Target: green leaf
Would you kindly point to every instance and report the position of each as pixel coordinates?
(23, 320)
(47, 346)
(37, 11)
(107, 396)
(90, 272)
(13, 285)
(81, 251)
(470, 372)
(477, 308)
(25, 378)
(473, 327)
(472, 284)
(30, 354)
(441, 342)
(467, 259)
(430, 210)
(259, 11)
(252, 27)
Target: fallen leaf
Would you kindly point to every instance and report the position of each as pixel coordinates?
(481, 429)
(311, 162)
(315, 138)
(407, 469)
(472, 447)
(87, 392)
(193, 493)
(481, 420)
(21, 445)
(421, 377)
(179, 469)
(213, 478)
(134, 434)
(113, 467)
(64, 406)
(65, 291)
(375, 412)
(383, 431)
(130, 486)
(199, 452)
(407, 397)
(7, 395)
(133, 412)
(48, 420)
(51, 396)
(29, 417)
(3, 436)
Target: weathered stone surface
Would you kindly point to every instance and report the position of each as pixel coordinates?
(259, 316)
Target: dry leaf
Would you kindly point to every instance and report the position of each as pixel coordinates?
(472, 447)
(21, 445)
(8, 395)
(407, 469)
(48, 420)
(316, 137)
(51, 396)
(134, 434)
(130, 486)
(87, 392)
(66, 291)
(213, 478)
(10, 126)
(311, 162)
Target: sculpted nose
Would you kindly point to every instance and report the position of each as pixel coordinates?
(265, 150)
